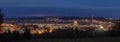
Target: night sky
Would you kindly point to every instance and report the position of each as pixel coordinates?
(81, 8)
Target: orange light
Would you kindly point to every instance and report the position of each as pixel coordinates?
(39, 32)
(12, 29)
(105, 29)
(50, 30)
(1, 32)
(33, 32)
(110, 28)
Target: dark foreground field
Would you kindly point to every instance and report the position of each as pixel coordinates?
(104, 39)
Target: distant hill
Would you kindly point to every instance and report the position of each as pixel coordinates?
(64, 18)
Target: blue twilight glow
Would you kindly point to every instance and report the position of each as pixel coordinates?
(84, 8)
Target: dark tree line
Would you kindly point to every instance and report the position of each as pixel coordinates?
(1, 21)
(115, 29)
(9, 36)
(66, 33)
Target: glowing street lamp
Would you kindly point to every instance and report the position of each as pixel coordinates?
(101, 27)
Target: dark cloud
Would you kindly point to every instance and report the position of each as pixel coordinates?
(47, 11)
(67, 3)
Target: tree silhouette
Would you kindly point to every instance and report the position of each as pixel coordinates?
(1, 18)
(27, 34)
(116, 29)
(1, 21)
(16, 36)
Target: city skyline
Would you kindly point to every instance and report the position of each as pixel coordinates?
(59, 20)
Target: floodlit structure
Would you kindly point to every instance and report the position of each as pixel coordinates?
(75, 23)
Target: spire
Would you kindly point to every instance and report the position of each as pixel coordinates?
(92, 19)
(56, 20)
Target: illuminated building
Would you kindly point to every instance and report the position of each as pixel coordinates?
(50, 30)
(75, 23)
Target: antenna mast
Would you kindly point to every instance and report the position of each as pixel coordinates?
(92, 18)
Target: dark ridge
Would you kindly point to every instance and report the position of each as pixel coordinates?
(63, 18)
